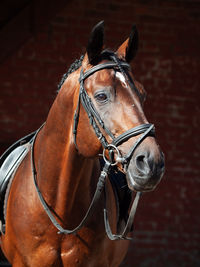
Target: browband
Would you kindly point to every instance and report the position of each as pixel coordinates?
(106, 65)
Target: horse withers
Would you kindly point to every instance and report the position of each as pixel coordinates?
(70, 201)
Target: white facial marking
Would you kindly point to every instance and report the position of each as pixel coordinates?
(121, 77)
(137, 103)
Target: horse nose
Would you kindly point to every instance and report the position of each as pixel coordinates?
(145, 170)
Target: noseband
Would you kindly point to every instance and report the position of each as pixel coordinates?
(96, 122)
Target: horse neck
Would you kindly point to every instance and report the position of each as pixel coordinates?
(64, 176)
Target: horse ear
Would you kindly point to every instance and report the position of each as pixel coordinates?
(129, 48)
(95, 43)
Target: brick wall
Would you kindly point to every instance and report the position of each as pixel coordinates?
(167, 225)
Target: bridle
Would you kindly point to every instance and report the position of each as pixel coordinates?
(95, 119)
(96, 122)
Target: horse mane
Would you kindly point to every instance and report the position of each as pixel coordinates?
(74, 66)
(105, 54)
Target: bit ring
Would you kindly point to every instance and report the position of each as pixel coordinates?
(118, 154)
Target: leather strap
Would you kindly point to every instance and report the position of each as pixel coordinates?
(129, 224)
(106, 65)
(96, 197)
(133, 132)
(149, 130)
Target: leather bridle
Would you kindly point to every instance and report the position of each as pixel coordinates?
(95, 119)
(96, 122)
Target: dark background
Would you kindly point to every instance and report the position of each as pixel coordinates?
(38, 42)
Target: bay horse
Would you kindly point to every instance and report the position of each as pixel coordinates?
(96, 128)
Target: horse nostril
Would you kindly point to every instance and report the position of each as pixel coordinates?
(142, 164)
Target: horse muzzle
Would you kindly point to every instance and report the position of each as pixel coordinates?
(145, 171)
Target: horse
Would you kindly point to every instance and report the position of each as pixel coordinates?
(62, 208)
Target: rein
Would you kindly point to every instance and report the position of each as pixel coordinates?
(96, 121)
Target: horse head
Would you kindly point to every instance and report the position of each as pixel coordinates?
(118, 100)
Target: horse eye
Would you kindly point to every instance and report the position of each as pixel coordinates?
(101, 97)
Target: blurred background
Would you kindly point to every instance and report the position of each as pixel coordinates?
(38, 42)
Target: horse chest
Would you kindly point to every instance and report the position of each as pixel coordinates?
(92, 252)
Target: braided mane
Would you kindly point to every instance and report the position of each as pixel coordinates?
(105, 54)
(74, 66)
